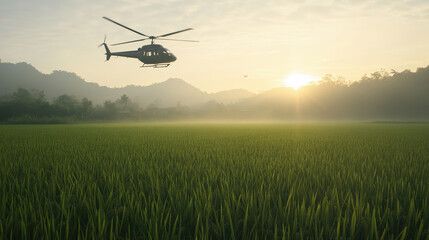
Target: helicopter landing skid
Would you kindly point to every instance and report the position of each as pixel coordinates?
(159, 65)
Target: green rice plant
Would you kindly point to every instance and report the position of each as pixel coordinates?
(214, 181)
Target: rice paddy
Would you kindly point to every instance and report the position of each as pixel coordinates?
(214, 181)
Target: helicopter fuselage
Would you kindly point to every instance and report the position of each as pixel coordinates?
(149, 54)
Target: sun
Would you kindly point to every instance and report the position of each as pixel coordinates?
(297, 80)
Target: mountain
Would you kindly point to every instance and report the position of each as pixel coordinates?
(379, 96)
(165, 94)
(23, 75)
(231, 96)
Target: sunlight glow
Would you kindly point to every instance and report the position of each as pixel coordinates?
(297, 80)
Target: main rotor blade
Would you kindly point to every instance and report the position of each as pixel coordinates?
(108, 19)
(138, 40)
(181, 40)
(168, 34)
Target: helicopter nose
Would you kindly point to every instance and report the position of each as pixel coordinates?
(173, 58)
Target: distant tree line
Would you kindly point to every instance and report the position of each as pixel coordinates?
(30, 106)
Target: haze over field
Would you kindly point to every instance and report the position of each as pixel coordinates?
(252, 45)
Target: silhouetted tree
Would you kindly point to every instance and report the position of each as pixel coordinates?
(110, 110)
(22, 96)
(124, 100)
(66, 105)
(86, 108)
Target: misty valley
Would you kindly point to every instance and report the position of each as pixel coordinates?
(28, 96)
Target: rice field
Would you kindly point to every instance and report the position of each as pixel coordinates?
(214, 181)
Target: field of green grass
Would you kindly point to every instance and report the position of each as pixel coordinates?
(214, 181)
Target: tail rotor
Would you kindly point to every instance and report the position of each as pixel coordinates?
(108, 53)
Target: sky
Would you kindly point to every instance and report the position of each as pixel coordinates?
(253, 45)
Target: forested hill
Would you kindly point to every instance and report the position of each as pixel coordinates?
(381, 95)
(378, 96)
(164, 94)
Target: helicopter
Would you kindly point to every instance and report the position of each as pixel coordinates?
(151, 55)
